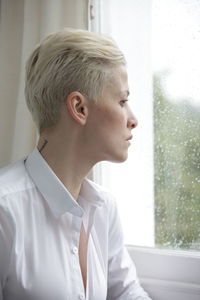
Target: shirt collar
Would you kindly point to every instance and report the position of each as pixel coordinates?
(92, 193)
(52, 189)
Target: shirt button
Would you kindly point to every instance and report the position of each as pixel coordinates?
(81, 297)
(74, 250)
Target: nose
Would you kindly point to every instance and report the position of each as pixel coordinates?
(132, 121)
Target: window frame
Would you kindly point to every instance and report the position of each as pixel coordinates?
(168, 274)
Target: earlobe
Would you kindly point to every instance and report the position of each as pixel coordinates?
(77, 107)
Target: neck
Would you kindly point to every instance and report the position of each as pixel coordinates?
(67, 161)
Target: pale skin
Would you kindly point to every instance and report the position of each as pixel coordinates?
(86, 133)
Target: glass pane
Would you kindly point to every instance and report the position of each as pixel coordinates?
(131, 182)
(176, 66)
(158, 187)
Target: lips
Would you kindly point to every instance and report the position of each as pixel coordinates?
(129, 138)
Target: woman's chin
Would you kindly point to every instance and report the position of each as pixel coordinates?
(119, 158)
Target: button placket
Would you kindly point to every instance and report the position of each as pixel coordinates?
(74, 250)
(75, 274)
(81, 297)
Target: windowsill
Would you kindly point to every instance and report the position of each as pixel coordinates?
(164, 251)
(166, 273)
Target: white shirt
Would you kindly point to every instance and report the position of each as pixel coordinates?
(40, 225)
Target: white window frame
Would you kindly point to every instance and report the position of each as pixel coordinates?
(168, 274)
(165, 274)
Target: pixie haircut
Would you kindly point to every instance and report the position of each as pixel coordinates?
(63, 62)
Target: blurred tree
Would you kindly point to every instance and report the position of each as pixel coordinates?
(177, 170)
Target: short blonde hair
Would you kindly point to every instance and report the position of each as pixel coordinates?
(66, 61)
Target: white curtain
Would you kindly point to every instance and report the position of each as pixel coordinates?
(22, 24)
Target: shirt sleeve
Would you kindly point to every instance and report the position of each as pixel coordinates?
(123, 282)
(5, 246)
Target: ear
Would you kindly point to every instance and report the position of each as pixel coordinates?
(77, 106)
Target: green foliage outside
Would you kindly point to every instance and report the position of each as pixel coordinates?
(177, 171)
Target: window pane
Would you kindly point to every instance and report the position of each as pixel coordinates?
(158, 187)
(129, 22)
(176, 63)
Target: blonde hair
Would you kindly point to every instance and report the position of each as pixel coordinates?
(66, 61)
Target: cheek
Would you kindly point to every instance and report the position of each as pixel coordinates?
(105, 117)
(110, 119)
(112, 122)
(118, 119)
(115, 114)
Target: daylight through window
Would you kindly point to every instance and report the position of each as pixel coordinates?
(158, 188)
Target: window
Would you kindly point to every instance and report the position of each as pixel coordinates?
(176, 63)
(158, 188)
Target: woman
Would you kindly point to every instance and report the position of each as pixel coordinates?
(60, 234)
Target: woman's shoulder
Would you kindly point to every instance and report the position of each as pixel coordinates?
(13, 179)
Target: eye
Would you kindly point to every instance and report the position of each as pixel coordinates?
(123, 102)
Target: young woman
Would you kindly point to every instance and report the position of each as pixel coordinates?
(60, 234)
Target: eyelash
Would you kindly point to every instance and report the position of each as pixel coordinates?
(123, 102)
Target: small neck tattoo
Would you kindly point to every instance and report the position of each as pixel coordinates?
(44, 144)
